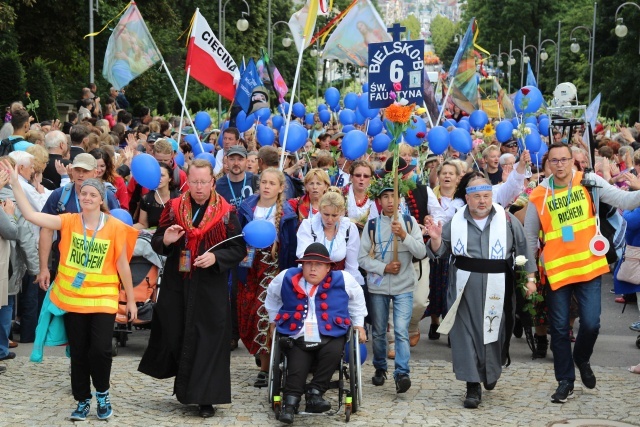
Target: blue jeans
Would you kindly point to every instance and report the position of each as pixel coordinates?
(589, 308)
(402, 309)
(6, 313)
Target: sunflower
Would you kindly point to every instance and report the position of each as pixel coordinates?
(489, 130)
(398, 113)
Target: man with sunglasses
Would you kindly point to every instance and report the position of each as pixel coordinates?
(564, 207)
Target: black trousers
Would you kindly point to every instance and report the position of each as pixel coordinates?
(90, 338)
(299, 363)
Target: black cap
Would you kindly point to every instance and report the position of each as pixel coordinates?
(510, 143)
(316, 252)
(403, 167)
(154, 136)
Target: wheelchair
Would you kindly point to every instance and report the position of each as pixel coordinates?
(349, 370)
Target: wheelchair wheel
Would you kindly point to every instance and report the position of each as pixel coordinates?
(275, 374)
(355, 372)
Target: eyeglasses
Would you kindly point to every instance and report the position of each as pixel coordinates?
(199, 183)
(562, 161)
(361, 175)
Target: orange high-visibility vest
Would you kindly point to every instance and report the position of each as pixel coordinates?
(101, 286)
(567, 261)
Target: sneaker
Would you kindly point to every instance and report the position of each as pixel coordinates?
(379, 377)
(635, 326)
(403, 383)
(563, 392)
(104, 405)
(81, 412)
(261, 380)
(586, 375)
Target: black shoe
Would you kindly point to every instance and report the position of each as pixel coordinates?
(473, 396)
(542, 344)
(261, 380)
(234, 344)
(517, 328)
(207, 411)
(490, 386)
(315, 403)
(563, 392)
(289, 409)
(403, 383)
(433, 332)
(586, 375)
(379, 377)
(9, 356)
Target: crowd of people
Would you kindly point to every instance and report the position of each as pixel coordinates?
(348, 252)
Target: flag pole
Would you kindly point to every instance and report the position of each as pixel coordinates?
(173, 83)
(446, 98)
(428, 114)
(293, 92)
(186, 83)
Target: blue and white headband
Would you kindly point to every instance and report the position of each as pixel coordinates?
(479, 188)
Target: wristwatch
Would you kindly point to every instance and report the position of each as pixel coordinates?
(531, 279)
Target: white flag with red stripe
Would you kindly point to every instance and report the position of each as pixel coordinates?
(210, 62)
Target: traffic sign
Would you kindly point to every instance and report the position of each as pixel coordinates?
(396, 62)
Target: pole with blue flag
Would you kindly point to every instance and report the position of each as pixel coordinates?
(531, 79)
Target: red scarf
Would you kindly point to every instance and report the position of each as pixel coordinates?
(211, 229)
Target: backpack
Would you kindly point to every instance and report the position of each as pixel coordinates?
(315, 236)
(64, 197)
(7, 145)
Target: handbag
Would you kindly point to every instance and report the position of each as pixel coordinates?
(629, 270)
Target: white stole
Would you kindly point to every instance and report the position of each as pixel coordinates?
(494, 300)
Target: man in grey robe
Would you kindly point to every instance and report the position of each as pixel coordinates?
(475, 358)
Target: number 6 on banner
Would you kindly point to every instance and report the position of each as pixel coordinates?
(395, 71)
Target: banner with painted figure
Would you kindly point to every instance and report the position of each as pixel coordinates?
(303, 22)
(271, 77)
(131, 50)
(429, 96)
(349, 42)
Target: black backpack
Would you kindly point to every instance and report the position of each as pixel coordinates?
(7, 145)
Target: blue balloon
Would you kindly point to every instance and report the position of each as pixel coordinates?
(324, 116)
(202, 120)
(542, 116)
(296, 138)
(478, 119)
(531, 119)
(332, 96)
(277, 122)
(365, 87)
(348, 128)
(464, 119)
(543, 127)
(380, 143)
(347, 117)
(542, 151)
(322, 107)
(533, 142)
(299, 110)
(146, 171)
(225, 125)
(464, 124)
(438, 138)
(363, 352)
(123, 215)
(351, 101)
(244, 123)
(265, 135)
(208, 148)
(375, 127)
(195, 145)
(336, 108)
(363, 106)
(449, 123)
(416, 126)
(355, 144)
(515, 122)
(209, 157)
(309, 119)
(259, 233)
(284, 108)
(179, 159)
(263, 115)
(504, 131)
(360, 119)
(533, 127)
(461, 140)
(528, 100)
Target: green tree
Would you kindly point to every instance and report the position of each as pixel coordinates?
(412, 25)
(40, 87)
(442, 34)
(12, 79)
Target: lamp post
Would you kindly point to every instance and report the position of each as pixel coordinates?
(621, 29)
(286, 41)
(544, 56)
(575, 48)
(242, 24)
(512, 61)
(458, 38)
(316, 54)
(527, 58)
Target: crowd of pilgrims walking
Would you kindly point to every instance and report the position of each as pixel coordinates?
(460, 223)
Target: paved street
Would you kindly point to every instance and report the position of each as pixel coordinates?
(39, 394)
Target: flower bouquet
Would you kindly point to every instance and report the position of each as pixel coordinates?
(521, 282)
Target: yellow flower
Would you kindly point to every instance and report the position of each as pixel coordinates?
(398, 114)
(488, 130)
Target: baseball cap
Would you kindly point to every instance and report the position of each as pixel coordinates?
(154, 136)
(237, 149)
(511, 143)
(85, 161)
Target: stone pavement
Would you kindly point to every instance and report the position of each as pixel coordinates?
(39, 394)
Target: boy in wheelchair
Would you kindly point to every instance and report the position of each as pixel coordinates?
(315, 307)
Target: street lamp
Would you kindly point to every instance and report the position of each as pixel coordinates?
(621, 29)
(458, 38)
(544, 56)
(242, 25)
(575, 48)
(286, 41)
